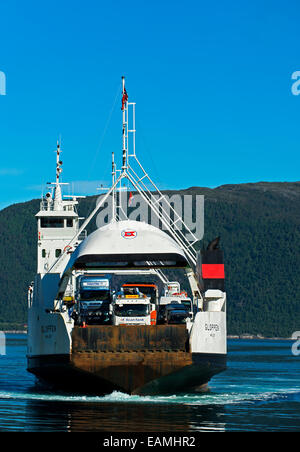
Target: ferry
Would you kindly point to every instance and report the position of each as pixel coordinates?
(103, 315)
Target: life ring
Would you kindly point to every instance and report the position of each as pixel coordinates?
(68, 249)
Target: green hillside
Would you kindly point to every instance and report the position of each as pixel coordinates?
(259, 225)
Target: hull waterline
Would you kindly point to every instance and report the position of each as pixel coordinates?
(135, 360)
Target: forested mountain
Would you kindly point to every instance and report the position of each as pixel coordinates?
(259, 225)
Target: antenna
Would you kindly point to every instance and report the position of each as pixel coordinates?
(58, 162)
(113, 174)
(125, 120)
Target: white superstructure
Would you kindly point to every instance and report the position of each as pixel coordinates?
(57, 224)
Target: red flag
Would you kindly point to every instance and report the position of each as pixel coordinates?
(131, 197)
(124, 98)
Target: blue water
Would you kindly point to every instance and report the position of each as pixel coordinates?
(260, 391)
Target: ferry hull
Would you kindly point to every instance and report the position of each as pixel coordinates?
(87, 374)
(154, 365)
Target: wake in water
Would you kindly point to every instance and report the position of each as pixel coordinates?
(260, 391)
(183, 399)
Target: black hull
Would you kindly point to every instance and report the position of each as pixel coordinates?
(62, 372)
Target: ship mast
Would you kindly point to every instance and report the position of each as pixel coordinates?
(57, 190)
(145, 187)
(124, 128)
(113, 173)
(58, 163)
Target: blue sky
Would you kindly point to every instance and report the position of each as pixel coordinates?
(212, 82)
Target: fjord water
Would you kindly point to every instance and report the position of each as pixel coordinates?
(260, 391)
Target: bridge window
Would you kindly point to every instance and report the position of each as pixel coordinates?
(52, 222)
(69, 222)
(57, 252)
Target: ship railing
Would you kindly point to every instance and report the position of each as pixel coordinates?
(49, 206)
(162, 213)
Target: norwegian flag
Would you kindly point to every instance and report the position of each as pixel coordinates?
(124, 98)
(131, 198)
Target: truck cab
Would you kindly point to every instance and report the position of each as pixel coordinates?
(93, 296)
(131, 307)
(149, 289)
(175, 306)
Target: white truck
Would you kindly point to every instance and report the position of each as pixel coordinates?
(131, 307)
(93, 295)
(175, 306)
